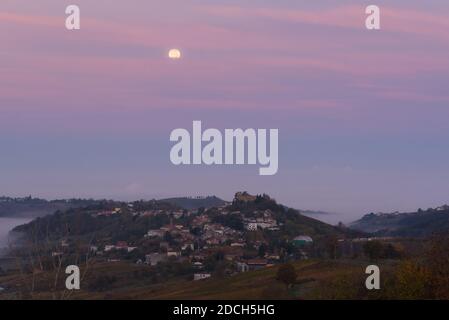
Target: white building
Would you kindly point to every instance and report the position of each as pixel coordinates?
(109, 248)
(242, 267)
(155, 233)
(252, 226)
(201, 276)
(153, 259)
(173, 254)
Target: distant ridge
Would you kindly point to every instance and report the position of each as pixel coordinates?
(422, 223)
(29, 207)
(196, 202)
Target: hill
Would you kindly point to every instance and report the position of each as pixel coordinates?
(29, 207)
(131, 221)
(412, 224)
(196, 202)
(102, 219)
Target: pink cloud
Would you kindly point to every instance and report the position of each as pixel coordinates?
(392, 18)
(30, 20)
(219, 61)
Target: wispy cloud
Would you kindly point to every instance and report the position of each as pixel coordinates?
(395, 19)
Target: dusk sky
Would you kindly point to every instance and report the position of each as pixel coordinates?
(363, 116)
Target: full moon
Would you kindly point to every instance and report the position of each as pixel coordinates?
(174, 54)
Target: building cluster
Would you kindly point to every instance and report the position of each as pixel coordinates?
(196, 241)
(263, 220)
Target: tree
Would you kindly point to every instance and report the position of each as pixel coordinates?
(233, 221)
(410, 281)
(287, 274)
(437, 258)
(331, 243)
(262, 250)
(373, 249)
(391, 252)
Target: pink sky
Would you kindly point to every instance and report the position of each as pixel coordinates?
(310, 69)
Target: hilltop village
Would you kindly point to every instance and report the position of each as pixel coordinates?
(152, 249)
(249, 233)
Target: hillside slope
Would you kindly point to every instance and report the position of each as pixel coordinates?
(413, 224)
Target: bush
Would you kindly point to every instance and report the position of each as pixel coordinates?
(287, 274)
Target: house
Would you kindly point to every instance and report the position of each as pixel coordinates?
(148, 213)
(273, 257)
(164, 245)
(93, 249)
(198, 265)
(201, 276)
(268, 213)
(155, 233)
(268, 223)
(213, 241)
(302, 240)
(256, 264)
(251, 226)
(242, 267)
(173, 254)
(200, 220)
(106, 213)
(238, 244)
(263, 223)
(153, 259)
(189, 246)
(231, 257)
(121, 245)
(109, 247)
(303, 255)
(200, 256)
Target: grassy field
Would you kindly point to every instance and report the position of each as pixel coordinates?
(323, 279)
(315, 278)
